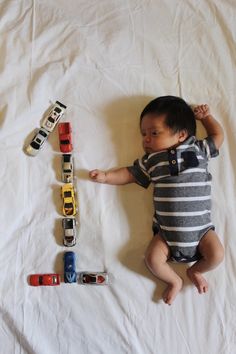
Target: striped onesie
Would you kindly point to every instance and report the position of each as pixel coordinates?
(182, 194)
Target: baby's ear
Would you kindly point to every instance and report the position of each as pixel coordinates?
(183, 134)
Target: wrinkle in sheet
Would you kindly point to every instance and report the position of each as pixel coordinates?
(181, 333)
(19, 340)
(32, 30)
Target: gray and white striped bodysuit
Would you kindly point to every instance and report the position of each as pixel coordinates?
(182, 194)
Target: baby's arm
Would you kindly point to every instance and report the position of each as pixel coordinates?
(117, 177)
(211, 125)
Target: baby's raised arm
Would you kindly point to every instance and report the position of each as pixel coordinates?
(213, 128)
(117, 176)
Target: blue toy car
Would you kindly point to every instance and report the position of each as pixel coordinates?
(70, 275)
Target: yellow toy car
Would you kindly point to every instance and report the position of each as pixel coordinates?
(68, 197)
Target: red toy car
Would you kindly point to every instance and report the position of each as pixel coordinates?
(44, 279)
(65, 138)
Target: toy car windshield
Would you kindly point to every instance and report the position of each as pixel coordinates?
(35, 145)
(65, 142)
(43, 133)
(58, 110)
(67, 194)
(40, 280)
(68, 224)
(69, 205)
(91, 279)
(67, 157)
(69, 238)
(51, 120)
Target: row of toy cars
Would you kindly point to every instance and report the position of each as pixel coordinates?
(70, 275)
(83, 278)
(70, 211)
(69, 208)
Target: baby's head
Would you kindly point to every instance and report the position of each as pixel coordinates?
(166, 122)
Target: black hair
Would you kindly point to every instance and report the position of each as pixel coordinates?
(178, 114)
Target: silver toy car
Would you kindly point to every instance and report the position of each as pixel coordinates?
(67, 168)
(53, 117)
(37, 142)
(93, 278)
(69, 227)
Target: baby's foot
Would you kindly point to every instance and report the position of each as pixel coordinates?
(171, 291)
(198, 280)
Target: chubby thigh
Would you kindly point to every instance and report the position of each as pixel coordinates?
(211, 248)
(157, 250)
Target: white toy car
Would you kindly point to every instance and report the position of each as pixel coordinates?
(67, 168)
(69, 227)
(53, 117)
(37, 142)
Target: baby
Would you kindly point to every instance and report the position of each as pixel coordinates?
(176, 163)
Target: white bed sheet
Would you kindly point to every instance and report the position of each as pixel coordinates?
(105, 60)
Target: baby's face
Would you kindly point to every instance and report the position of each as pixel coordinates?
(157, 136)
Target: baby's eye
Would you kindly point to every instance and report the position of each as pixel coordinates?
(154, 133)
(143, 134)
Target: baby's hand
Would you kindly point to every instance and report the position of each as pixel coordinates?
(201, 111)
(98, 176)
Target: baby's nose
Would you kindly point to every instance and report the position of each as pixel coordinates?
(147, 138)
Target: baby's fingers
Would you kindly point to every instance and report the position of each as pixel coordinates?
(201, 111)
(93, 174)
(98, 176)
(204, 108)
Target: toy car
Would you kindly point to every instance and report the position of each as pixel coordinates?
(69, 227)
(68, 196)
(70, 275)
(37, 142)
(44, 279)
(53, 117)
(67, 168)
(65, 138)
(98, 278)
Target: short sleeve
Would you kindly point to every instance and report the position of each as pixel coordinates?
(138, 170)
(207, 146)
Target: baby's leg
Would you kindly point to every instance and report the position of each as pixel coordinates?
(156, 260)
(212, 253)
